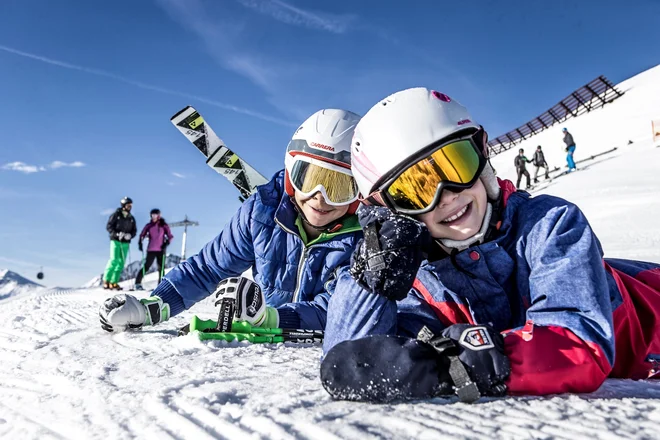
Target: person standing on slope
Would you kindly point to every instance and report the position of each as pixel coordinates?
(160, 236)
(122, 228)
(296, 232)
(521, 168)
(570, 149)
(464, 284)
(539, 162)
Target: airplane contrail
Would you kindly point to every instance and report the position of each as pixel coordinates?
(145, 86)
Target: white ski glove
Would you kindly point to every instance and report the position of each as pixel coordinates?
(247, 300)
(126, 312)
(124, 236)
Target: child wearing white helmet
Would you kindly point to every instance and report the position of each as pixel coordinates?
(295, 232)
(464, 285)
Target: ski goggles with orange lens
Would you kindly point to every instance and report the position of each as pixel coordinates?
(455, 165)
(309, 176)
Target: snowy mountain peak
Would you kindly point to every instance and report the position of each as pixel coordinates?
(7, 276)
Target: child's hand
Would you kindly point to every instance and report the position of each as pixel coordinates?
(481, 350)
(248, 302)
(386, 261)
(126, 312)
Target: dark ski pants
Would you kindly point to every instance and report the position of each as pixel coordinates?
(522, 171)
(151, 256)
(536, 173)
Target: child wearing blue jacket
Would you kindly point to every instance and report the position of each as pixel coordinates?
(464, 285)
(295, 233)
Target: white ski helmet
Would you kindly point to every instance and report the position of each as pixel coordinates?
(325, 136)
(400, 126)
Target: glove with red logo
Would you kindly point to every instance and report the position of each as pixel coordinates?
(481, 351)
(241, 299)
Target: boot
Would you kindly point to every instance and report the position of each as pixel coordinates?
(139, 287)
(115, 286)
(107, 285)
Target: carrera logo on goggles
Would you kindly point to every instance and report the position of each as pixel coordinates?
(321, 146)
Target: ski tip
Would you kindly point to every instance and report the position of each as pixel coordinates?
(185, 109)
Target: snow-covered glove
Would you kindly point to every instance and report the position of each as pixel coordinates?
(242, 299)
(140, 248)
(481, 350)
(126, 312)
(386, 261)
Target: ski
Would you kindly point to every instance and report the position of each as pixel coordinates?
(220, 158)
(243, 331)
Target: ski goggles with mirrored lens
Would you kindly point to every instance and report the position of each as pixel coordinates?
(309, 176)
(455, 165)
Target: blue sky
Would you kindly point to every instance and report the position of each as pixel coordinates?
(87, 89)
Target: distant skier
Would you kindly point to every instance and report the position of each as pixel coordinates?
(570, 149)
(296, 232)
(160, 236)
(121, 227)
(539, 162)
(521, 169)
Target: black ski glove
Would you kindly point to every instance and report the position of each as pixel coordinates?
(386, 261)
(140, 246)
(481, 350)
(467, 360)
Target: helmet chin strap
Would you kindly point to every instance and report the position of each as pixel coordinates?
(477, 238)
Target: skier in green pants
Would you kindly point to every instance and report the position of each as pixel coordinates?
(122, 228)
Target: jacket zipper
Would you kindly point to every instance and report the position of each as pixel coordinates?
(303, 257)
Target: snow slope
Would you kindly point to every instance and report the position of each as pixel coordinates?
(627, 119)
(61, 376)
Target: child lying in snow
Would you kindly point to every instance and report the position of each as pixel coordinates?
(295, 232)
(513, 290)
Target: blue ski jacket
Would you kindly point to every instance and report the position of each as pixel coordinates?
(296, 278)
(565, 312)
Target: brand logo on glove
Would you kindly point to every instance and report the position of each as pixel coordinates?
(256, 301)
(476, 339)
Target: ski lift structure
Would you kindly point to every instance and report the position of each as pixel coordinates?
(185, 223)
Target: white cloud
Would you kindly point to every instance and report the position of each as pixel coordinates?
(141, 85)
(108, 211)
(179, 175)
(60, 164)
(289, 14)
(22, 167)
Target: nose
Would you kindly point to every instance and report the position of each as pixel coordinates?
(447, 197)
(318, 196)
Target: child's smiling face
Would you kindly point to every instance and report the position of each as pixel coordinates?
(458, 216)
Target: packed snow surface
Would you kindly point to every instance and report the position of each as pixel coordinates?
(61, 376)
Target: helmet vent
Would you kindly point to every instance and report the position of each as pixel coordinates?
(441, 96)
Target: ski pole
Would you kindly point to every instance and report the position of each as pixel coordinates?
(162, 267)
(129, 263)
(207, 330)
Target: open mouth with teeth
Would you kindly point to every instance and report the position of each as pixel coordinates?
(458, 215)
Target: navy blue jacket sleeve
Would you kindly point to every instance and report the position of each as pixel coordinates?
(229, 254)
